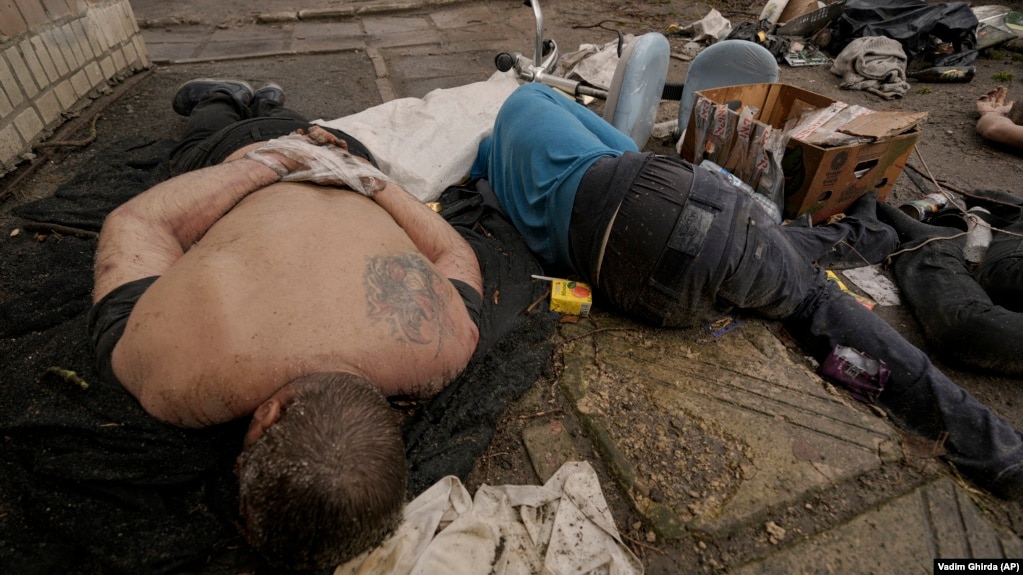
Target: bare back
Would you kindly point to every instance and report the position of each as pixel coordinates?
(295, 279)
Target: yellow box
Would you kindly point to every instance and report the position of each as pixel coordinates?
(571, 297)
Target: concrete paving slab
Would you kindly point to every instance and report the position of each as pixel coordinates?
(182, 43)
(321, 44)
(395, 25)
(549, 448)
(254, 48)
(737, 428)
(422, 69)
(328, 30)
(938, 520)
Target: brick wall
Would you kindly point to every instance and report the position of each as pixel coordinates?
(55, 57)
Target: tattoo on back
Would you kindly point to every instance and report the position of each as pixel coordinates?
(404, 291)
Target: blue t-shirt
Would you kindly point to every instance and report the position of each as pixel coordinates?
(543, 143)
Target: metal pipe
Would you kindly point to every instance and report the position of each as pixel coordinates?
(538, 14)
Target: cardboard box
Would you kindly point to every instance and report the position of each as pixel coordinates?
(571, 297)
(821, 181)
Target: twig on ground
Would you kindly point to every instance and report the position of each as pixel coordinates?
(59, 229)
(533, 305)
(541, 414)
(639, 543)
(66, 375)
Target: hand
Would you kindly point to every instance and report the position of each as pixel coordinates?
(322, 159)
(994, 102)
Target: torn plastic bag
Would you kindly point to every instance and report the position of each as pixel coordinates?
(942, 34)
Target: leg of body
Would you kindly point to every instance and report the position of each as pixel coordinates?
(1001, 272)
(542, 144)
(767, 274)
(858, 239)
(214, 109)
(211, 115)
(917, 396)
(957, 316)
(218, 126)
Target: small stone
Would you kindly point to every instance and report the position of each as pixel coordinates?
(775, 532)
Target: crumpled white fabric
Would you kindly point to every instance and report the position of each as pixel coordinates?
(876, 64)
(324, 164)
(427, 144)
(559, 528)
(592, 63)
(710, 28)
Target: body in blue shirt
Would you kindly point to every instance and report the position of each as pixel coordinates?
(535, 159)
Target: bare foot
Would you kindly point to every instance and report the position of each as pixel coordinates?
(994, 102)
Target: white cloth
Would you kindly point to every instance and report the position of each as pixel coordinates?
(562, 527)
(876, 64)
(320, 163)
(427, 144)
(592, 63)
(710, 28)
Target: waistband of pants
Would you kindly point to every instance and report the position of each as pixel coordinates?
(645, 218)
(708, 211)
(245, 132)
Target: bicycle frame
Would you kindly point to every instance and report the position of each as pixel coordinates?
(541, 67)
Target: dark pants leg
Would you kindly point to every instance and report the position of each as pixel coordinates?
(958, 316)
(918, 396)
(858, 239)
(769, 276)
(218, 125)
(1001, 272)
(720, 248)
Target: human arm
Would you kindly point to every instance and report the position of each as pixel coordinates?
(998, 119)
(147, 234)
(432, 235)
(1000, 129)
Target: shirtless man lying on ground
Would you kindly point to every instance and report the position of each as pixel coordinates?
(241, 289)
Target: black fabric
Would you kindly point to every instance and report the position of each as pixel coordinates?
(110, 180)
(107, 319)
(653, 268)
(971, 323)
(219, 125)
(91, 484)
(914, 24)
(447, 435)
(473, 301)
(603, 187)
(856, 240)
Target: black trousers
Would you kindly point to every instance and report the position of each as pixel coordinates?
(218, 126)
(678, 262)
(972, 317)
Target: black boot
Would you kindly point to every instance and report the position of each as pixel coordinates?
(267, 101)
(191, 92)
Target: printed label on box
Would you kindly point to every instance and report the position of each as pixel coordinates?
(571, 297)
